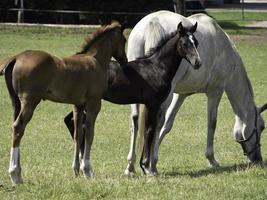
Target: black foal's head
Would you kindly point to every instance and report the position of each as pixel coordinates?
(187, 45)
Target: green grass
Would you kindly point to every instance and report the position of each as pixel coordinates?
(46, 149)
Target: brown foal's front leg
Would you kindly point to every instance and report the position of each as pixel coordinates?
(92, 109)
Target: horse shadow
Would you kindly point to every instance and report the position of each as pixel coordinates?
(217, 170)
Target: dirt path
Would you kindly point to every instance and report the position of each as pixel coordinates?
(261, 24)
(257, 37)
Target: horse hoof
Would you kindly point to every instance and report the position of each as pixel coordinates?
(88, 174)
(153, 172)
(127, 172)
(146, 170)
(130, 170)
(214, 164)
(16, 178)
(76, 172)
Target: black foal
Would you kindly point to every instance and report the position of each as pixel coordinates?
(148, 81)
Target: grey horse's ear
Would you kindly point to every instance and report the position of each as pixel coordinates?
(193, 28)
(263, 108)
(180, 28)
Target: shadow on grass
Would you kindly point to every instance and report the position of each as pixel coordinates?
(235, 28)
(219, 170)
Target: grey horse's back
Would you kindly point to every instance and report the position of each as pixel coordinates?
(224, 46)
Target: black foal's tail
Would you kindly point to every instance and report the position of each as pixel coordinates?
(69, 123)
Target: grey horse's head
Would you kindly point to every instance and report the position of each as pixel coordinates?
(251, 144)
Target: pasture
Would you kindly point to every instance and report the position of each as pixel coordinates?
(47, 149)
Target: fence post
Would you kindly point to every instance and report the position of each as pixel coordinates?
(242, 6)
(21, 12)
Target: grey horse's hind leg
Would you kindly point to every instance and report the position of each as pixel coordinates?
(213, 102)
(169, 110)
(134, 130)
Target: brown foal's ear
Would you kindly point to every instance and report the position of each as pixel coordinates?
(124, 25)
(193, 28)
(263, 108)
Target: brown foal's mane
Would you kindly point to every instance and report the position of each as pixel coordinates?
(97, 34)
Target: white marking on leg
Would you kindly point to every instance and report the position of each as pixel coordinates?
(14, 159)
(14, 166)
(76, 162)
(132, 155)
(86, 163)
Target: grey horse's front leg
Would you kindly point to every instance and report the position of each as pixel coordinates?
(213, 102)
(169, 110)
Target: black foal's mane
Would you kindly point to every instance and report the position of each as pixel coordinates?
(161, 43)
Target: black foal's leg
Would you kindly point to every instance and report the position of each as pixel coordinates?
(150, 126)
(70, 125)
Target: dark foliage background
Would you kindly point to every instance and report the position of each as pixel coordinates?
(135, 10)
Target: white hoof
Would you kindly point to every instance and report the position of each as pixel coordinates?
(130, 170)
(87, 169)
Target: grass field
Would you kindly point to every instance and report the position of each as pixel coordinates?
(46, 149)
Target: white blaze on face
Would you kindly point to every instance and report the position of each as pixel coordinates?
(191, 39)
(193, 59)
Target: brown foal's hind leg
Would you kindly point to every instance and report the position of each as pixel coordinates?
(92, 110)
(22, 115)
(78, 137)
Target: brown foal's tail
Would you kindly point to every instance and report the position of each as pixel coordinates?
(4, 63)
(2, 68)
(8, 69)
(141, 129)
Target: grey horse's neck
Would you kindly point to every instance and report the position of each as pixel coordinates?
(240, 95)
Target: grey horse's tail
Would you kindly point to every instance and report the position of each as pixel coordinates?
(141, 126)
(154, 34)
